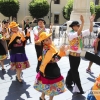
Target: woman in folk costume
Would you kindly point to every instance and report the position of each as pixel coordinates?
(3, 51)
(95, 91)
(49, 80)
(16, 46)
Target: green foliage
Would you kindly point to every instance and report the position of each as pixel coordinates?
(67, 9)
(9, 7)
(38, 8)
(92, 7)
(69, 6)
(97, 10)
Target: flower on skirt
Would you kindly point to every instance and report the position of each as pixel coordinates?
(52, 88)
(47, 87)
(60, 84)
(18, 65)
(48, 92)
(59, 90)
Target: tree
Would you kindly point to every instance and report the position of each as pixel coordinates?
(38, 8)
(92, 7)
(9, 7)
(97, 10)
(67, 9)
(69, 6)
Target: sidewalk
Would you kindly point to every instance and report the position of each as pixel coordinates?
(12, 90)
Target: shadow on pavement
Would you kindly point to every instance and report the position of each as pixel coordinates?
(16, 90)
(78, 97)
(11, 73)
(7, 62)
(91, 79)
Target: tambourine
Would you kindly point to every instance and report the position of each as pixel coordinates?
(26, 17)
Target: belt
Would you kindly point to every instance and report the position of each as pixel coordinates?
(37, 43)
(74, 54)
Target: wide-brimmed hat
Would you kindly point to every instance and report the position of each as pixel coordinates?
(44, 36)
(13, 24)
(41, 19)
(74, 23)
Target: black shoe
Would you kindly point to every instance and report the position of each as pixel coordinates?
(41, 99)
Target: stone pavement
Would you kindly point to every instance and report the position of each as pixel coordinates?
(10, 89)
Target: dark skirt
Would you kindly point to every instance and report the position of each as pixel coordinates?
(2, 52)
(19, 60)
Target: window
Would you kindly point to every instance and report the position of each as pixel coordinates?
(56, 1)
(56, 19)
(96, 2)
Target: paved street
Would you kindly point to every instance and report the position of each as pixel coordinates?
(10, 89)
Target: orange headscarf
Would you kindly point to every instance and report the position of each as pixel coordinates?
(14, 35)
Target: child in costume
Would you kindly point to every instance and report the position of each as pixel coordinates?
(18, 58)
(3, 51)
(49, 80)
(95, 91)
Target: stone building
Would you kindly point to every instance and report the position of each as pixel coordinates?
(56, 11)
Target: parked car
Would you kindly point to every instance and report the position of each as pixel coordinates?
(95, 28)
(63, 27)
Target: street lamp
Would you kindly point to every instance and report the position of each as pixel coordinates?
(50, 12)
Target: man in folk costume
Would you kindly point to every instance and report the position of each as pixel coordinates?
(18, 58)
(75, 42)
(37, 31)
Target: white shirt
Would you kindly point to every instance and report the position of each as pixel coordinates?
(37, 28)
(74, 40)
(36, 31)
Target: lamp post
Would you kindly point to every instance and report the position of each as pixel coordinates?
(50, 12)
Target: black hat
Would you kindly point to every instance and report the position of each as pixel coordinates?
(74, 23)
(41, 19)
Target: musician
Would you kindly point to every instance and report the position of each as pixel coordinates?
(75, 42)
(26, 25)
(37, 31)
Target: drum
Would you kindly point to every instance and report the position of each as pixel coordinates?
(91, 57)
